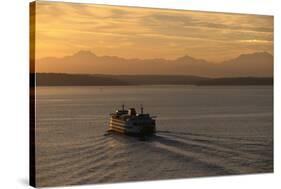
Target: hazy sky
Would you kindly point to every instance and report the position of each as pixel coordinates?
(66, 28)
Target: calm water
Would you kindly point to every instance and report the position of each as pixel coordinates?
(201, 131)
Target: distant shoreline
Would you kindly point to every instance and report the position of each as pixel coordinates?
(63, 79)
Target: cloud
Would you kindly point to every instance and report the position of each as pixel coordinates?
(65, 28)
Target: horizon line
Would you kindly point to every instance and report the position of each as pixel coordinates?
(88, 74)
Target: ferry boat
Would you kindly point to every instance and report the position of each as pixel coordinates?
(130, 123)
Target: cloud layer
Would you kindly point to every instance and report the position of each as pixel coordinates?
(65, 28)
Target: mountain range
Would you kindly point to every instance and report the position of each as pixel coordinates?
(259, 64)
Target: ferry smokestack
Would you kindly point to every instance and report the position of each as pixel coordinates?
(141, 109)
(123, 107)
(132, 112)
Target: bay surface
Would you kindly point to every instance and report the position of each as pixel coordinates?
(201, 131)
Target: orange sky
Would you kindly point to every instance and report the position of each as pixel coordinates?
(63, 29)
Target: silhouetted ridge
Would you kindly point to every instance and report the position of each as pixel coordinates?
(54, 79)
(238, 81)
